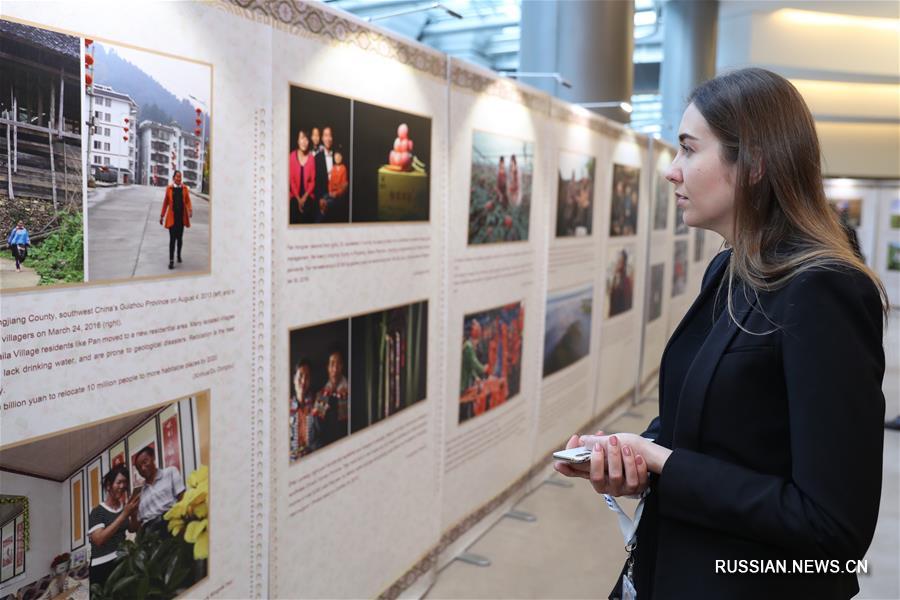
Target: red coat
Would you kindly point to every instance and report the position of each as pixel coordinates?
(309, 174)
(167, 207)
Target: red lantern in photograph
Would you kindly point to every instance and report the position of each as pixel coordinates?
(199, 121)
(125, 137)
(88, 79)
(197, 131)
(126, 130)
(88, 59)
(88, 42)
(197, 110)
(126, 119)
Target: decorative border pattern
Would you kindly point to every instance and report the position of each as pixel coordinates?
(426, 564)
(594, 123)
(311, 20)
(259, 387)
(500, 87)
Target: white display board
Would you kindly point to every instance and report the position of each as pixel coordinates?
(497, 243)
(575, 277)
(132, 332)
(625, 209)
(359, 283)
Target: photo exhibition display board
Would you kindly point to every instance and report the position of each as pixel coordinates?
(496, 240)
(887, 254)
(872, 209)
(388, 285)
(358, 336)
(577, 198)
(658, 291)
(623, 264)
(109, 352)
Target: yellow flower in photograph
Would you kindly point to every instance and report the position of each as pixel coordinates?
(189, 516)
(176, 512)
(175, 526)
(194, 529)
(201, 548)
(199, 476)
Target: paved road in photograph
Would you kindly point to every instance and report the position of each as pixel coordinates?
(126, 240)
(10, 279)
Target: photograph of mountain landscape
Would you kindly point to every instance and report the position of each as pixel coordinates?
(567, 335)
(119, 68)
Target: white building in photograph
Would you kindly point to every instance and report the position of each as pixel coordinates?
(160, 149)
(165, 149)
(112, 150)
(190, 160)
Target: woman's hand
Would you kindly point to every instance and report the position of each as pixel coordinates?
(132, 505)
(653, 454)
(619, 463)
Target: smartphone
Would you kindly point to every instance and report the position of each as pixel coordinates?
(575, 456)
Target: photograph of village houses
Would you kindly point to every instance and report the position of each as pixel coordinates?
(41, 175)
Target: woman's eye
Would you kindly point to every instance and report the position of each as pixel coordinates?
(685, 149)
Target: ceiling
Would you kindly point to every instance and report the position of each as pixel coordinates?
(57, 457)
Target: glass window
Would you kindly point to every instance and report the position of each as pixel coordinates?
(97, 144)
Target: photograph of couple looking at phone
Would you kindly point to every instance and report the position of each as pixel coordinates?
(122, 504)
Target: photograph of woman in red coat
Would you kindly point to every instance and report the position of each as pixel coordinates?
(176, 215)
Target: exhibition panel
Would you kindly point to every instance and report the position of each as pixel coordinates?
(496, 230)
(105, 321)
(660, 263)
(359, 147)
(623, 262)
(575, 282)
(887, 250)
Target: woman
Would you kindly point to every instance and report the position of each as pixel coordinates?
(175, 215)
(303, 182)
(107, 523)
(515, 181)
(18, 242)
(501, 183)
(768, 443)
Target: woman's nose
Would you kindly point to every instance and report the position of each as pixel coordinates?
(673, 174)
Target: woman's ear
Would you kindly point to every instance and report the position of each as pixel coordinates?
(758, 168)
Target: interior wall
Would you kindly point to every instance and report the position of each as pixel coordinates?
(45, 521)
(844, 58)
(860, 149)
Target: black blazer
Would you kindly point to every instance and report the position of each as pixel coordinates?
(321, 175)
(777, 445)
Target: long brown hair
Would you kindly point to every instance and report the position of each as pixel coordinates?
(783, 224)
